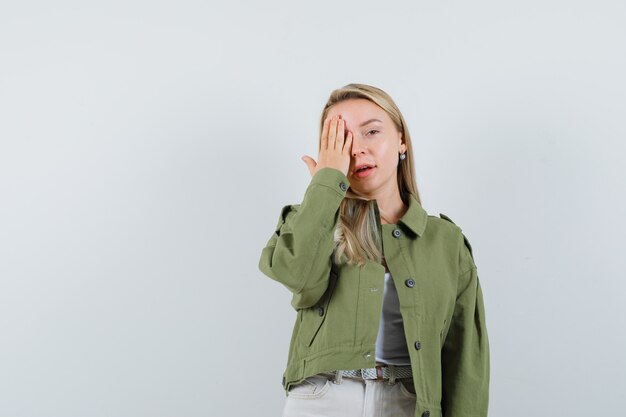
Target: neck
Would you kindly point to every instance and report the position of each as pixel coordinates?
(391, 211)
(390, 205)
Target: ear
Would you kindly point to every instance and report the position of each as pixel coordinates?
(401, 143)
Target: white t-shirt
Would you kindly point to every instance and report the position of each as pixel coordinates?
(391, 345)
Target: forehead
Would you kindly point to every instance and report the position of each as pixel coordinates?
(356, 111)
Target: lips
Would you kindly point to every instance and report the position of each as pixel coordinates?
(363, 167)
(363, 170)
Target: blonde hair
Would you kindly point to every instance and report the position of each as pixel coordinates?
(357, 238)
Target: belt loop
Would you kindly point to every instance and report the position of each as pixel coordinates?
(392, 376)
(338, 377)
(379, 373)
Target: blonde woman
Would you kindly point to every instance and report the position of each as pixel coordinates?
(390, 317)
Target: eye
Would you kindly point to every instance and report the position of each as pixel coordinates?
(373, 132)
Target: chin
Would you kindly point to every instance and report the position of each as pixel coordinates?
(364, 191)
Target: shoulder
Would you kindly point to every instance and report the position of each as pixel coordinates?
(286, 213)
(443, 224)
(287, 209)
(442, 227)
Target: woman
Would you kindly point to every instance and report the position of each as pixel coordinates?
(390, 317)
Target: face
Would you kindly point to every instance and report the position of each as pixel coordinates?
(376, 142)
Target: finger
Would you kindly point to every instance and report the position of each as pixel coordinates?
(332, 134)
(324, 142)
(310, 163)
(340, 134)
(347, 147)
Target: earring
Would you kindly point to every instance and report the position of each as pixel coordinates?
(402, 156)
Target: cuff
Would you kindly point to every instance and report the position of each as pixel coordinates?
(324, 195)
(331, 178)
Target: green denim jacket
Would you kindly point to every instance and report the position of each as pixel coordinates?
(339, 306)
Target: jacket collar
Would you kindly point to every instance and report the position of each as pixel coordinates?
(414, 219)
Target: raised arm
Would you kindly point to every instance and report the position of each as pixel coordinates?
(299, 253)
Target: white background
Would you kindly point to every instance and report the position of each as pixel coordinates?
(146, 149)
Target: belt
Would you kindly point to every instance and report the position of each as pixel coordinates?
(380, 372)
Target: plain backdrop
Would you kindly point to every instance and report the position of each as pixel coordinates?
(146, 148)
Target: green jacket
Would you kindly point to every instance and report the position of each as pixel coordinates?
(339, 306)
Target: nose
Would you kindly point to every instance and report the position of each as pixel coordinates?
(358, 145)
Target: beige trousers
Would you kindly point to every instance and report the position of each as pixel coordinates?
(324, 395)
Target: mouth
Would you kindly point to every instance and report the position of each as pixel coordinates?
(363, 170)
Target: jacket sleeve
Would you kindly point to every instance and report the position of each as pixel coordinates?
(299, 252)
(465, 352)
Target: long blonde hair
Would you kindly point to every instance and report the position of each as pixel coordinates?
(357, 238)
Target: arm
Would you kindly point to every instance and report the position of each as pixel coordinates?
(465, 353)
(299, 252)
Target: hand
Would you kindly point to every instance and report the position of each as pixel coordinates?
(334, 151)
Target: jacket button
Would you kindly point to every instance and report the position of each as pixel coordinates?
(410, 283)
(320, 310)
(418, 345)
(426, 413)
(343, 186)
(396, 232)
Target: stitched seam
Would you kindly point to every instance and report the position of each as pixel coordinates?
(465, 272)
